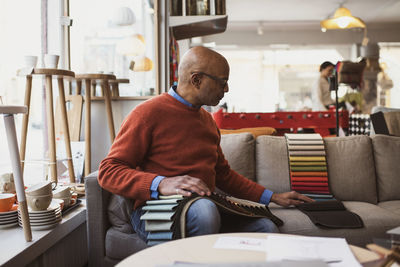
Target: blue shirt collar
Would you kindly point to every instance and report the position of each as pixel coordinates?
(174, 94)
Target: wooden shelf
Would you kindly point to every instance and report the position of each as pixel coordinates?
(184, 27)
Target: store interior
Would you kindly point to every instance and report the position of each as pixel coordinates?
(60, 55)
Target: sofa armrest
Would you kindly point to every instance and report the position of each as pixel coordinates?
(96, 219)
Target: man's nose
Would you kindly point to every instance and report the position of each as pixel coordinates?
(226, 89)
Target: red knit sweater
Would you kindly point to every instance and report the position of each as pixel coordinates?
(164, 137)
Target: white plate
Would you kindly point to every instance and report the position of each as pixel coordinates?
(8, 221)
(53, 206)
(43, 222)
(44, 215)
(8, 212)
(46, 220)
(5, 217)
(42, 227)
(4, 226)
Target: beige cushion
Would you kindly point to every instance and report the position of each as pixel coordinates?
(376, 220)
(387, 164)
(393, 206)
(238, 150)
(351, 168)
(272, 163)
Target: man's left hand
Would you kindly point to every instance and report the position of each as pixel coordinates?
(290, 198)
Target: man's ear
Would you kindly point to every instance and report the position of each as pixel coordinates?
(196, 81)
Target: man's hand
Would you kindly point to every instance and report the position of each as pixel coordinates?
(290, 198)
(183, 185)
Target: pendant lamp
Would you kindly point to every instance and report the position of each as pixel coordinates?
(342, 19)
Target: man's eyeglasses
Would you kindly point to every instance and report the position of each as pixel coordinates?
(222, 82)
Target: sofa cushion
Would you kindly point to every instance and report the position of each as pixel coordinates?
(239, 152)
(120, 245)
(376, 220)
(272, 167)
(387, 165)
(393, 206)
(119, 212)
(351, 168)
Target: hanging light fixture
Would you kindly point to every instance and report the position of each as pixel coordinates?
(133, 45)
(342, 19)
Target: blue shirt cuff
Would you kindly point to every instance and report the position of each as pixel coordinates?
(266, 197)
(154, 186)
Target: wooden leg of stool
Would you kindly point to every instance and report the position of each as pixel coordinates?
(93, 89)
(114, 89)
(88, 157)
(67, 140)
(107, 98)
(25, 119)
(18, 180)
(78, 87)
(50, 128)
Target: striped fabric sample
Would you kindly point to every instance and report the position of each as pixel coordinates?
(307, 163)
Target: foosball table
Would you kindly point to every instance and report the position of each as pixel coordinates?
(285, 122)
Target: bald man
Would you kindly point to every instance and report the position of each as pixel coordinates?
(169, 145)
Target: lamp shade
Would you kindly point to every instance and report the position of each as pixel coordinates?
(141, 64)
(133, 45)
(123, 16)
(342, 19)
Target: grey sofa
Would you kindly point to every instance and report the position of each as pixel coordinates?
(364, 173)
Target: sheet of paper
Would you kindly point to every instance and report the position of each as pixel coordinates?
(334, 251)
(244, 243)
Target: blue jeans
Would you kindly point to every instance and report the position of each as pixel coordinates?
(203, 218)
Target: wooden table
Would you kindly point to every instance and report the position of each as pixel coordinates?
(200, 250)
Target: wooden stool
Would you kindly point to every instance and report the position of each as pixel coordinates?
(114, 86)
(49, 73)
(91, 79)
(9, 112)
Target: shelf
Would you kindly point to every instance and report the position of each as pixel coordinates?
(185, 27)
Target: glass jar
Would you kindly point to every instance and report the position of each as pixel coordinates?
(197, 7)
(175, 8)
(220, 8)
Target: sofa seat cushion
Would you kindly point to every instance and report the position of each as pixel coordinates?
(120, 245)
(376, 220)
(387, 155)
(393, 206)
(351, 168)
(238, 150)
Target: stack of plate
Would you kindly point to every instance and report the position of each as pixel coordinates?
(9, 218)
(44, 219)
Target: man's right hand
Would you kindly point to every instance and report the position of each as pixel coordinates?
(183, 185)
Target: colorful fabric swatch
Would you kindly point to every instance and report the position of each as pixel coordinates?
(308, 168)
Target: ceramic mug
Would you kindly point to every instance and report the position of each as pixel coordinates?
(62, 192)
(7, 183)
(30, 61)
(40, 189)
(51, 61)
(40, 202)
(6, 202)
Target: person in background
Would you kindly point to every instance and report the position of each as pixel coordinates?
(169, 145)
(321, 95)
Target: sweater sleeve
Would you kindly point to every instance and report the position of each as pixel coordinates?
(235, 184)
(119, 172)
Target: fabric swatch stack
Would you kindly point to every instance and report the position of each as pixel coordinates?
(308, 168)
(159, 218)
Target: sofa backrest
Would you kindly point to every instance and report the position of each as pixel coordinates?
(239, 152)
(351, 168)
(350, 161)
(387, 163)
